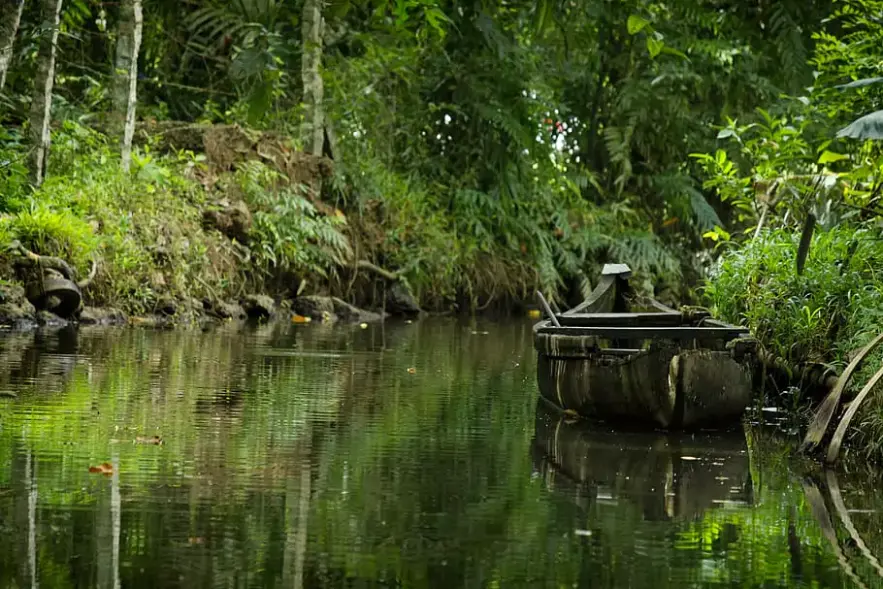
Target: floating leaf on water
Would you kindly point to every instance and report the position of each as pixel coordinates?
(412, 370)
(689, 458)
(480, 333)
(155, 440)
(196, 540)
(534, 314)
(583, 532)
(363, 325)
(300, 319)
(105, 468)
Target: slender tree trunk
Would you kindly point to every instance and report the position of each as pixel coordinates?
(125, 78)
(31, 476)
(10, 15)
(311, 62)
(297, 517)
(41, 105)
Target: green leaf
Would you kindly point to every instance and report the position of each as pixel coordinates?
(724, 133)
(860, 83)
(829, 156)
(654, 46)
(675, 52)
(867, 127)
(636, 24)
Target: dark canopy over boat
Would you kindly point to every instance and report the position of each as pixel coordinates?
(619, 358)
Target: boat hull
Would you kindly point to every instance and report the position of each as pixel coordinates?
(667, 386)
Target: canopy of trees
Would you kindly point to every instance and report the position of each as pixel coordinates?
(481, 148)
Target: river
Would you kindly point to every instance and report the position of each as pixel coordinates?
(405, 455)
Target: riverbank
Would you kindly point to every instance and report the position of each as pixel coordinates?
(211, 215)
(824, 315)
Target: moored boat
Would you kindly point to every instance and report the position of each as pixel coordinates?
(617, 357)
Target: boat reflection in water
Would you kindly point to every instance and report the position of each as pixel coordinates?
(670, 476)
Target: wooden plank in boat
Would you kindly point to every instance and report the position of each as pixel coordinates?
(621, 319)
(671, 333)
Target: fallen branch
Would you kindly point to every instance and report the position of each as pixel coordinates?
(90, 277)
(829, 406)
(32, 259)
(366, 265)
(840, 432)
(809, 375)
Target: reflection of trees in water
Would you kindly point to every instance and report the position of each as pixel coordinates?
(313, 456)
(649, 530)
(668, 475)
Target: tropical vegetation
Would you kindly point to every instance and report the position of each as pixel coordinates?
(480, 150)
(799, 266)
(475, 150)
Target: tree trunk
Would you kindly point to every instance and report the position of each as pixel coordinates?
(10, 15)
(313, 128)
(125, 78)
(41, 105)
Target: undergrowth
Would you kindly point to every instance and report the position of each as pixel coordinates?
(145, 229)
(825, 315)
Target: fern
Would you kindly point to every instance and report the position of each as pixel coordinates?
(792, 52)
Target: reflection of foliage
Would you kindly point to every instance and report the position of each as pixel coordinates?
(425, 476)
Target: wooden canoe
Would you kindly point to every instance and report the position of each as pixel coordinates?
(618, 358)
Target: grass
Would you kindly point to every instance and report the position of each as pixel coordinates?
(830, 311)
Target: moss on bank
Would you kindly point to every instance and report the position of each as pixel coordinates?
(824, 315)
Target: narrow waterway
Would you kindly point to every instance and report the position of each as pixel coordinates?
(405, 455)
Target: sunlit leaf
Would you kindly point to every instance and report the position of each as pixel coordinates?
(829, 156)
(654, 46)
(636, 24)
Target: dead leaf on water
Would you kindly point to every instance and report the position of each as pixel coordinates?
(105, 468)
(300, 319)
(155, 440)
(412, 370)
(196, 540)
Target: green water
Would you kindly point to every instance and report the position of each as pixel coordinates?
(413, 455)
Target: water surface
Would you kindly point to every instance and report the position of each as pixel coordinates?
(406, 455)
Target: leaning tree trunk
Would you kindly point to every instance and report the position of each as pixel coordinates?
(125, 79)
(41, 105)
(10, 15)
(313, 128)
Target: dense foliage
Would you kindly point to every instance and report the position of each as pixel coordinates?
(481, 149)
(800, 266)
